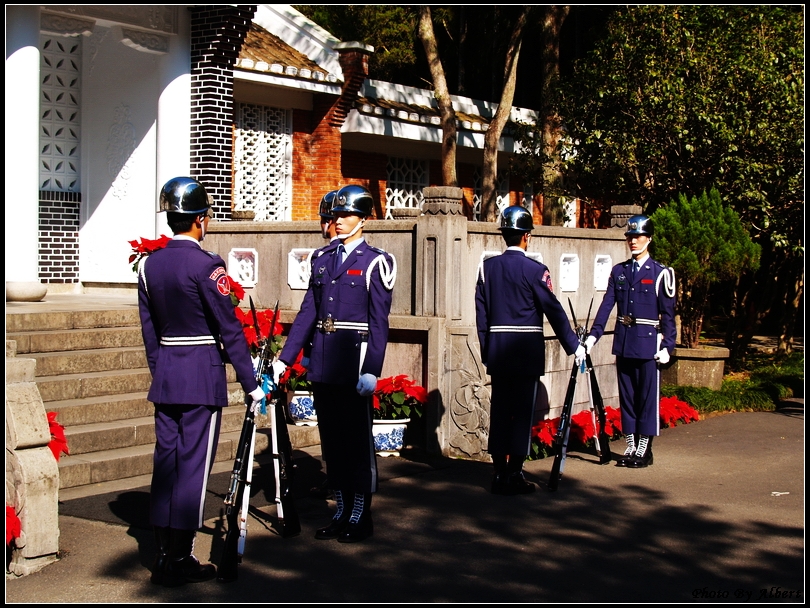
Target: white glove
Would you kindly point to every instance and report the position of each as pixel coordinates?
(366, 385)
(589, 342)
(278, 368)
(662, 356)
(257, 396)
(579, 355)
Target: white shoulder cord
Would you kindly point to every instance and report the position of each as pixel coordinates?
(668, 276)
(387, 273)
(481, 270)
(142, 272)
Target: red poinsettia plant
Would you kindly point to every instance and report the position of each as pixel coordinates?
(671, 410)
(267, 329)
(398, 397)
(294, 378)
(58, 443)
(143, 247)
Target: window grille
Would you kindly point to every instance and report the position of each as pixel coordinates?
(60, 69)
(262, 162)
(406, 179)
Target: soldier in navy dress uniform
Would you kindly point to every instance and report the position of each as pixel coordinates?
(190, 331)
(344, 315)
(643, 292)
(513, 294)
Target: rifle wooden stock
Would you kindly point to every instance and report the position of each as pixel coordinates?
(283, 468)
(563, 432)
(237, 499)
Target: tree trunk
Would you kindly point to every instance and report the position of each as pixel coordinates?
(489, 207)
(551, 124)
(792, 302)
(442, 95)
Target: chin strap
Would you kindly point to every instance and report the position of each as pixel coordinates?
(360, 224)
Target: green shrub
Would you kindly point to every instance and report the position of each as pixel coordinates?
(769, 381)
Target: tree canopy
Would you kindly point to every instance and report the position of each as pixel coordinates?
(682, 99)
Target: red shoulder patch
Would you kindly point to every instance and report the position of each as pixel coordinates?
(217, 273)
(224, 285)
(547, 280)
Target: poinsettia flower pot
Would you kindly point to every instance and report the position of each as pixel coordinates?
(389, 436)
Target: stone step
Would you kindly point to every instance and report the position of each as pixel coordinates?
(109, 465)
(121, 316)
(89, 360)
(107, 408)
(102, 436)
(95, 384)
(75, 339)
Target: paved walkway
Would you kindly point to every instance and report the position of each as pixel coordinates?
(719, 518)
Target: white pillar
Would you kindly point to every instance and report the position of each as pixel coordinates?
(22, 148)
(174, 113)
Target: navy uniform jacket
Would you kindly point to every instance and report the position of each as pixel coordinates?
(359, 294)
(186, 310)
(511, 297)
(650, 297)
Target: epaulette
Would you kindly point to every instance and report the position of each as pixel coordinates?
(378, 250)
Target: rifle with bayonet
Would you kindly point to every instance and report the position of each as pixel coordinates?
(237, 499)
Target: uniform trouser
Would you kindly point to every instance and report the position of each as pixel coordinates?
(639, 395)
(511, 414)
(344, 423)
(185, 446)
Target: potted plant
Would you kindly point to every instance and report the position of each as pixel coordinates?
(705, 242)
(299, 393)
(396, 400)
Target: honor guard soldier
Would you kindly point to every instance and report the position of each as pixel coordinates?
(190, 331)
(643, 292)
(513, 294)
(344, 315)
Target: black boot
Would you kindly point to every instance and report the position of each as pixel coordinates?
(183, 567)
(500, 475)
(516, 483)
(339, 521)
(163, 541)
(629, 452)
(643, 456)
(360, 526)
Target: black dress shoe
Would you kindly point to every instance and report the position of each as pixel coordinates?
(355, 532)
(498, 484)
(188, 570)
(639, 462)
(624, 459)
(517, 484)
(335, 528)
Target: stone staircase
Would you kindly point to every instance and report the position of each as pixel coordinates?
(91, 370)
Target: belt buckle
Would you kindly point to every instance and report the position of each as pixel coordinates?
(328, 325)
(627, 320)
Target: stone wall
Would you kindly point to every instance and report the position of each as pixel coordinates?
(32, 474)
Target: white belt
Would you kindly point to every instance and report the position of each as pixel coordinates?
(646, 322)
(526, 329)
(187, 340)
(328, 325)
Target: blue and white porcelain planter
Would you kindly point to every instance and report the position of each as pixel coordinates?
(302, 408)
(389, 436)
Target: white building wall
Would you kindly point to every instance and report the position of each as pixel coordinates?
(120, 101)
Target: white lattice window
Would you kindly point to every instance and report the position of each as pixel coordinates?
(60, 68)
(406, 179)
(262, 162)
(501, 194)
